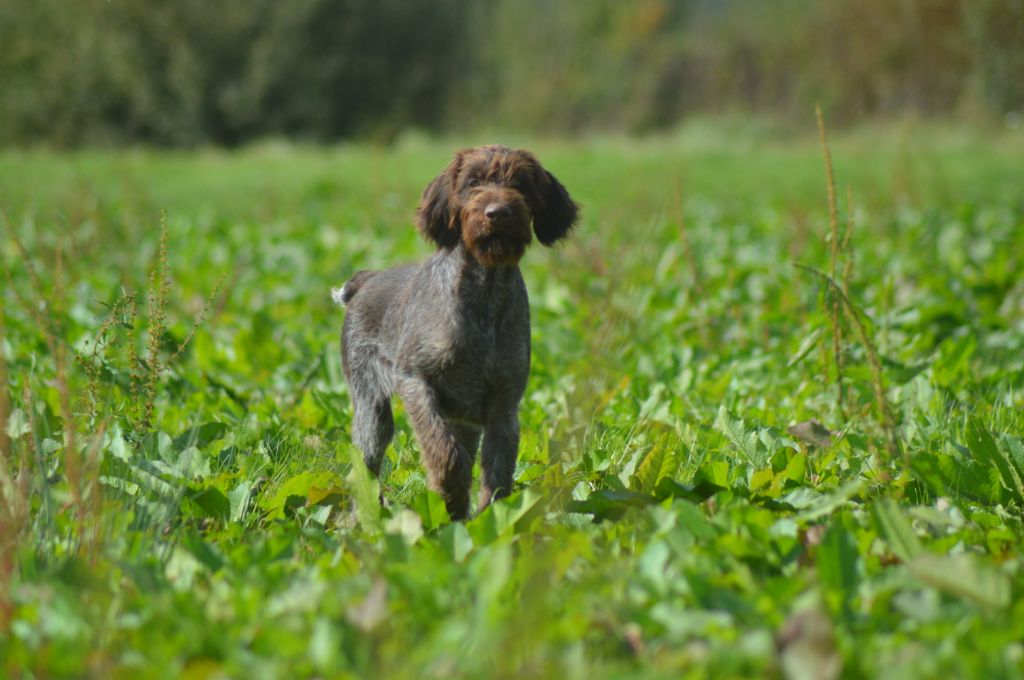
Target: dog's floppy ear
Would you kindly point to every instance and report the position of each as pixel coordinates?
(436, 217)
(556, 213)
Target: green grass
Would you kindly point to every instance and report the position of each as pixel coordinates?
(667, 524)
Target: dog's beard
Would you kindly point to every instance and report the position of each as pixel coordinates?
(498, 249)
(494, 246)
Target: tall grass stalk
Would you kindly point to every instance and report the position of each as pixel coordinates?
(201, 319)
(23, 464)
(684, 238)
(885, 416)
(46, 312)
(105, 340)
(834, 252)
(847, 252)
(156, 310)
(14, 506)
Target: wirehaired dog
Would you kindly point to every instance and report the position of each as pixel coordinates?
(451, 336)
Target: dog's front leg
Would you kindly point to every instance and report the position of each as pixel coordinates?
(449, 465)
(498, 458)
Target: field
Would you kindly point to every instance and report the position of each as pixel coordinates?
(177, 493)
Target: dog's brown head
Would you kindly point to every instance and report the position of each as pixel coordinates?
(486, 199)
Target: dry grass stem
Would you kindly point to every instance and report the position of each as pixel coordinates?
(684, 238)
(835, 319)
(847, 252)
(14, 514)
(92, 363)
(201, 319)
(881, 402)
(156, 309)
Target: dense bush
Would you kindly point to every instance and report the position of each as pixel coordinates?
(196, 72)
(193, 72)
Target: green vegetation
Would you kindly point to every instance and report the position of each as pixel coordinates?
(179, 503)
(190, 72)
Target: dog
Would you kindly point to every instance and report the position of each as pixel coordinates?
(451, 335)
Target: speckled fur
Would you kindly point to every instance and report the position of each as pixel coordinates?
(451, 335)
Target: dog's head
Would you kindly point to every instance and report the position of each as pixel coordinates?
(487, 199)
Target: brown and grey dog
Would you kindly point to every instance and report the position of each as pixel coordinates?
(451, 336)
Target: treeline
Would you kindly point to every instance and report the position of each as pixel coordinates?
(196, 72)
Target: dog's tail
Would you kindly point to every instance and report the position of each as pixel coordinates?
(342, 295)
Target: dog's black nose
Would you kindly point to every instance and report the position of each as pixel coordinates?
(497, 211)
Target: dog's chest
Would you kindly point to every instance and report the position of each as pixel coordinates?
(488, 334)
(488, 359)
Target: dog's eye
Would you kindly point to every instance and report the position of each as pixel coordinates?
(520, 182)
(473, 182)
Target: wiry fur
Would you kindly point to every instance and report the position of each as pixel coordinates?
(451, 336)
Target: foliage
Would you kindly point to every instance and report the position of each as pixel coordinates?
(189, 73)
(192, 72)
(670, 517)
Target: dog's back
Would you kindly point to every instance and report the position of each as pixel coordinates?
(343, 295)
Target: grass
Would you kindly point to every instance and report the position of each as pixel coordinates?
(705, 485)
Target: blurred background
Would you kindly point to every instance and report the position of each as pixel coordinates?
(194, 72)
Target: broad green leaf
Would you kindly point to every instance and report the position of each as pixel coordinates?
(429, 505)
(895, 529)
(652, 565)
(700, 490)
(954, 360)
(715, 473)
(947, 475)
(796, 467)
(239, 499)
(964, 576)
(516, 509)
(746, 441)
(657, 406)
(690, 518)
(901, 374)
(610, 503)
(837, 561)
(926, 468)
(192, 464)
(827, 504)
(206, 553)
(1014, 448)
(154, 476)
(118, 447)
(365, 489)
(760, 479)
(121, 484)
(802, 497)
(407, 524)
(200, 436)
(294, 491)
(985, 450)
(160, 446)
(326, 495)
(660, 463)
(211, 501)
(455, 540)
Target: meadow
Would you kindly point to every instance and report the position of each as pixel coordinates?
(761, 437)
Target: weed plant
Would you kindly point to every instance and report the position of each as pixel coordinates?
(730, 466)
